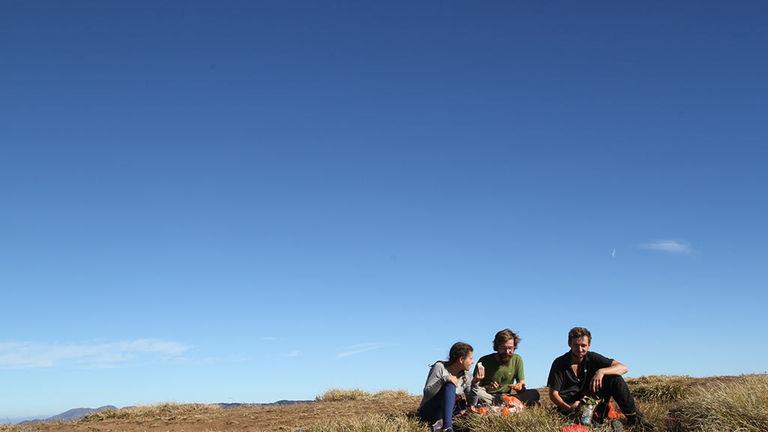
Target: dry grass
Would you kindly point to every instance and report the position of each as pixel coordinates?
(338, 395)
(165, 412)
(536, 419)
(372, 423)
(738, 406)
(674, 404)
(661, 388)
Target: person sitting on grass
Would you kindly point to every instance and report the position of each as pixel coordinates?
(581, 372)
(503, 372)
(447, 381)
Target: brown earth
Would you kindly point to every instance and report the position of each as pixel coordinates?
(287, 418)
(214, 419)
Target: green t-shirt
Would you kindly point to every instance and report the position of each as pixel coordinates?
(505, 375)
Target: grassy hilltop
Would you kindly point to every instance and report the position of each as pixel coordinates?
(673, 403)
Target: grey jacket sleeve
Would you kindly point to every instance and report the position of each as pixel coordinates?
(437, 377)
(470, 389)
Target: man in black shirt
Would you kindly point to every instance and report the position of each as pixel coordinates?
(580, 373)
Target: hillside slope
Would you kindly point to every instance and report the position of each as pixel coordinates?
(679, 404)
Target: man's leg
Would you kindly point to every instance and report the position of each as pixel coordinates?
(528, 397)
(615, 386)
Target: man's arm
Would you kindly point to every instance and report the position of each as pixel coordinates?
(518, 382)
(554, 396)
(616, 368)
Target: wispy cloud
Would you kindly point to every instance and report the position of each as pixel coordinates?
(668, 246)
(359, 349)
(294, 353)
(87, 354)
(268, 338)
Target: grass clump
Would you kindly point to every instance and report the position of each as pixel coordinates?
(164, 411)
(372, 423)
(337, 395)
(536, 419)
(739, 406)
(660, 388)
(385, 395)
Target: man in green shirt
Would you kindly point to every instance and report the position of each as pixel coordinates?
(504, 372)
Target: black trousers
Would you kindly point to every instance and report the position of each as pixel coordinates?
(614, 387)
(528, 396)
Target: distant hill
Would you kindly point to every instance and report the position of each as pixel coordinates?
(277, 403)
(78, 413)
(73, 414)
(670, 402)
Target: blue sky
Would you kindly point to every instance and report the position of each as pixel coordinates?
(252, 201)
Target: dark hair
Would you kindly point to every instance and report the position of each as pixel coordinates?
(579, 332)
(459, 350)
(503, 336)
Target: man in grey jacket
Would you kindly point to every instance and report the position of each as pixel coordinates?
(447, 381)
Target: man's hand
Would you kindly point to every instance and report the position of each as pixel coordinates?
(493, 386)
(480, 375)
(517, 387)
(597, 381)
(574, 405)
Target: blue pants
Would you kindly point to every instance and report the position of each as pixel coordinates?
(440, 406)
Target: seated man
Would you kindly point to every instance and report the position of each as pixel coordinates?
(503, 372)
(446, 381)
(580, 372)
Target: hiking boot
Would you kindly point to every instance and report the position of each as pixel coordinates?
(638, 422)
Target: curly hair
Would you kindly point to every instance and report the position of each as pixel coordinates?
(503, 336)
(579, 332)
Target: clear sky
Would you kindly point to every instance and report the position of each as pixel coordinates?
(246, 201)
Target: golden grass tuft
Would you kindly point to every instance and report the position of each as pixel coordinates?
(385, 395)
(372, 423)
(738, 405)
(339, 395)
(660, 388)
(164, 411)
(536, 419)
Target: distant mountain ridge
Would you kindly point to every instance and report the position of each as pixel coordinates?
(73, 414)
(78, 413)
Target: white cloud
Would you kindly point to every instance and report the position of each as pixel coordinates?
(359, 348)
(268, 338)
(294, 353)
(668, 246)
(90, 354)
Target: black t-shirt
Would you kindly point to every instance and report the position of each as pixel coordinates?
(562, 379)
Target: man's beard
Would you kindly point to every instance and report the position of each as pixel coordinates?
(504, 359)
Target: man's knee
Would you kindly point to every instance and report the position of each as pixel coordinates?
(529, 397)
(614, 382)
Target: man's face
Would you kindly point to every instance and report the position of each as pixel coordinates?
(580, 347)
(466, 362)
(506, 350)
